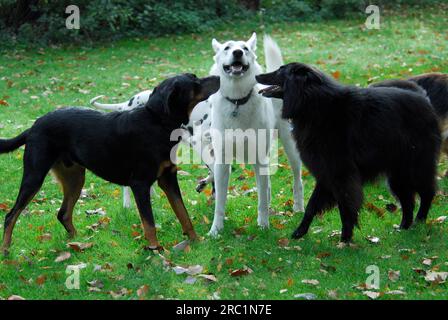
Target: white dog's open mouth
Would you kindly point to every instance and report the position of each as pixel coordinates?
(236, 68)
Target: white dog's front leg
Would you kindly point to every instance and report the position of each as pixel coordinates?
(126, 197)
(263, 185)
(222, 173)
(295, 162)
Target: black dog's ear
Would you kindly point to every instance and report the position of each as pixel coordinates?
(311, 74)
(172, 97)
(293, 95)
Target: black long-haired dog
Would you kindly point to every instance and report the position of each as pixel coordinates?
(348, 136)
(435, 87)
(130, 148)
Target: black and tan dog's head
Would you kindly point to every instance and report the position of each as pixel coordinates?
(291, 83)
(177, 96)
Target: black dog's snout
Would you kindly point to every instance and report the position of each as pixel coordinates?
(238, 53)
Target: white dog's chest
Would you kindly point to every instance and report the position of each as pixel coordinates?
(257, 113)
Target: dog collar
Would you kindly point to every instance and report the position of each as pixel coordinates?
(239, 102)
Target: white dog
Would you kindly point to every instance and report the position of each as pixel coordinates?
(237, 105)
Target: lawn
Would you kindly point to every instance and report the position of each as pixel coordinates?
(266, 263)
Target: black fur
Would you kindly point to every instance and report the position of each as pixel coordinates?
(128, 148)
(348, 136)
(435, 87)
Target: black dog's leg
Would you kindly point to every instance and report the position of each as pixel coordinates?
(426, 198)
(34, 171)
(72, 180)
(349, 197)
(401, 188)
(321, 200)
(426, 189)
(142, 197)
(169, 184)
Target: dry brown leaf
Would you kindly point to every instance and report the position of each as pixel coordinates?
(63, 256)
(283, 242)
(44, 237)
(79, 246)
(40, 280)
(241, 272)
(142, 291)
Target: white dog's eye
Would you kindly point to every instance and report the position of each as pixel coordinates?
(246, 49)
(226, 48)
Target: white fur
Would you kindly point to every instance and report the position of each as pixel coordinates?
(257, 113)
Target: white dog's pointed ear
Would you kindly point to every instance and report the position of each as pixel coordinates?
(216, 45)
(252, 42)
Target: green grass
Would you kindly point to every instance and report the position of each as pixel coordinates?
(408, 43)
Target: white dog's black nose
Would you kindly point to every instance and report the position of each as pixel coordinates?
(238, 53)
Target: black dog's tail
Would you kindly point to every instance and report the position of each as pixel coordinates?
(8, 145)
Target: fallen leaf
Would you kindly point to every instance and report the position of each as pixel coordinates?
(96, 284)
(190, 280)
(393, 275)
(142, 291)
(99, 211)
(336, 74)
(120, 293)
(194, 270)
(306, 296)
(395, 292)
(181, 246)
(333, 294)
(371, 294)
(373, 239)
(436, 277)
(313, 282)
(79, 246)
(63, 256)
(441, 219)
(40, 280)
(4, 207)
(427, 262)
(241, 272)
(44, 237)
(379, 211)
(283, 242)
(209, 277)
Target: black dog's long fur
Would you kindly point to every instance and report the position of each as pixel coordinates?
(348, 136)
(435, 87)
(130, 148)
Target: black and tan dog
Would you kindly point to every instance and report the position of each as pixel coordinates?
(435, 87)
(130, 148)
(348, 136)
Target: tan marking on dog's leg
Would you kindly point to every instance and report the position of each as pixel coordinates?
(72, 180)
(169, 185)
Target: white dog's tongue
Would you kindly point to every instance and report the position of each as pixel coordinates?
(237, 68)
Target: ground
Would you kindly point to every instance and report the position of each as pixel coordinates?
(265, 263)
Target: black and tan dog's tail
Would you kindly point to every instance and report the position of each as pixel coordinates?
(9, 145)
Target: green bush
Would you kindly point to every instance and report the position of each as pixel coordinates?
(22, 20)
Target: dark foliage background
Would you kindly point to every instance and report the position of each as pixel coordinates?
(43, 21)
